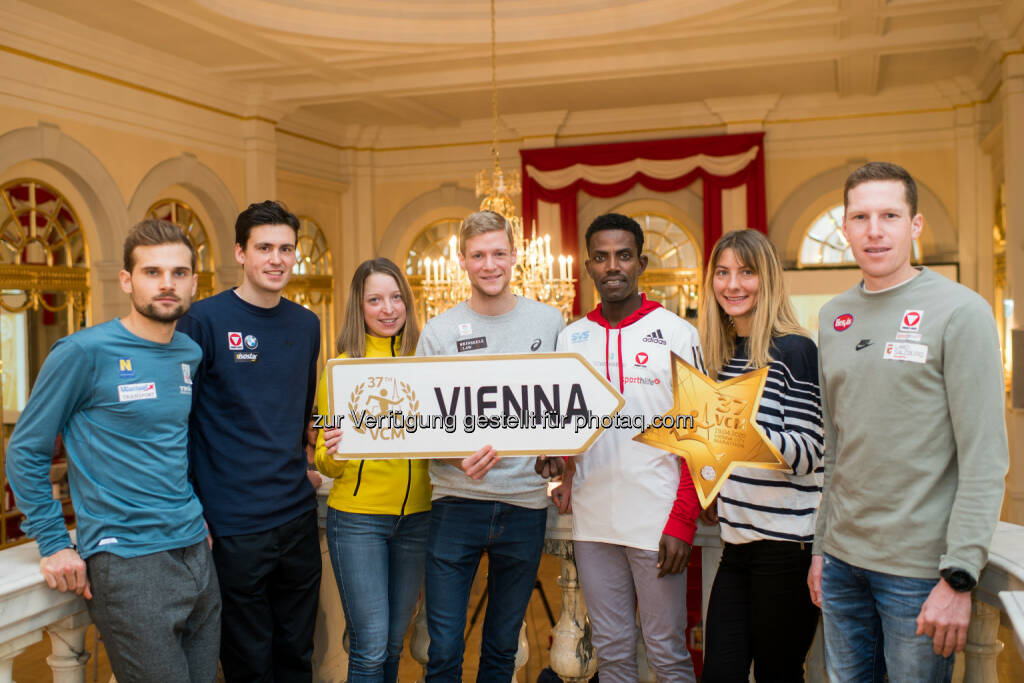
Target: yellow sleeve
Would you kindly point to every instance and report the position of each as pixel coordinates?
(326, 464)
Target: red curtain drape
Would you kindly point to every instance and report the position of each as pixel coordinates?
(555, 158)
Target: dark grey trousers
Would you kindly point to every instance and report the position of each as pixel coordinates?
(158, 614)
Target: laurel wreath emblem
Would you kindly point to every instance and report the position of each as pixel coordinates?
(412, 404)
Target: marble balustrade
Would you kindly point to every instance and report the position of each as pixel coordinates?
(28, 609)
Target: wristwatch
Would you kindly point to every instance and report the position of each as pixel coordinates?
(958, 579)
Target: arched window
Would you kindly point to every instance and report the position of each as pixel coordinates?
(432, 242)
(673, 272)
(312, 281)
(825, 245)
(182, 215)
(44, 295)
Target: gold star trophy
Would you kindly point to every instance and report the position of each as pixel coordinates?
(721, 433)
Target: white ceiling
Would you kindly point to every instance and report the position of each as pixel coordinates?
(427, 62)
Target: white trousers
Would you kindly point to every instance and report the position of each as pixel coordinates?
(618, 582)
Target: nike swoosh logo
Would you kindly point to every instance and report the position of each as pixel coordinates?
(863, 344)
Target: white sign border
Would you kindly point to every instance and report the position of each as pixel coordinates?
(476, 358)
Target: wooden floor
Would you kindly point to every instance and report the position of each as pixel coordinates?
(31, 667)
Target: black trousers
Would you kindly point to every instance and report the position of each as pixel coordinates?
(270, 588)
(760, 610)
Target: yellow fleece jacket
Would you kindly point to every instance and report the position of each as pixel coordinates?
(377, 487)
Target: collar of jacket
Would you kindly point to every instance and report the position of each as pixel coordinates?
(646, 307)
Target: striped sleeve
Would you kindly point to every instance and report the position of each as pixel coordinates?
(791, 409)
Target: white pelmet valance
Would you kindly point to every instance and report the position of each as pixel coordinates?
(660, 169)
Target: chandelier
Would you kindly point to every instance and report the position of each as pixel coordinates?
(535, 274)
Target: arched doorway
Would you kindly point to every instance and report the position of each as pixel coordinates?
(44, 295)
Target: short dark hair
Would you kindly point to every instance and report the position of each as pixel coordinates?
(616, 221)
(152, 232)
(883, 170)
(264, 213)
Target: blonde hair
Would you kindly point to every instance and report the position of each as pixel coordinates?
(352, 338)
(481, 222)
(773, 313)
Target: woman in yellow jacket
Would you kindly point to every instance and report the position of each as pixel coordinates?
(378, 510)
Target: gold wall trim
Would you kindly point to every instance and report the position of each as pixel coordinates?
(128, 84)
(315, 283)
(44, 278)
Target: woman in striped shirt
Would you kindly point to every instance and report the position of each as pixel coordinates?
(760, 610)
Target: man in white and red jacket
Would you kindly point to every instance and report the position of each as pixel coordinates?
(634, 508)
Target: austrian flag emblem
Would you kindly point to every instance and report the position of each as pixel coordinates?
(911, 321)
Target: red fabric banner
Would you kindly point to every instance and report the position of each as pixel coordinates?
(556, 158)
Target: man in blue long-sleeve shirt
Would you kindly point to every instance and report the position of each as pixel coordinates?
(120, 394)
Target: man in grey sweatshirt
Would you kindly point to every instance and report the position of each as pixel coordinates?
(915, 448)
(481, 503)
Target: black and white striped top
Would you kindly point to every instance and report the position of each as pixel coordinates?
(758, 504)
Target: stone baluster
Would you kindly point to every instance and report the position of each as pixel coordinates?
(815, 664)
(13, 648)
(419, 641)
(68, 654)
(522, 654)
(983, 647)
(572, 655)
(643, 667)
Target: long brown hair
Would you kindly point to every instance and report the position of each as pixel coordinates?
(352, 338)
(773, 314)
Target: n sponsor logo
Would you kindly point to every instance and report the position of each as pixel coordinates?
(125, 369)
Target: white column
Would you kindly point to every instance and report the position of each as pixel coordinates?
(13, 648)
(522, 654)
(107, 299)
(419, 641)
(358, 215)
(644, 674)
(982, 646)
(966, 168)
(572, 655)
(260, 160)
(330, 658)
(1012, 94)
(68, 654)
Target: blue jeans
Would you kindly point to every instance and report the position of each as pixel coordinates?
(871, 625)
(460, 531)
(378, 563)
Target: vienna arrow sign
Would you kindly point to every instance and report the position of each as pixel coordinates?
(449, 406)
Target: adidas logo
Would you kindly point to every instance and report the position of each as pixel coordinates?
(655, 337)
